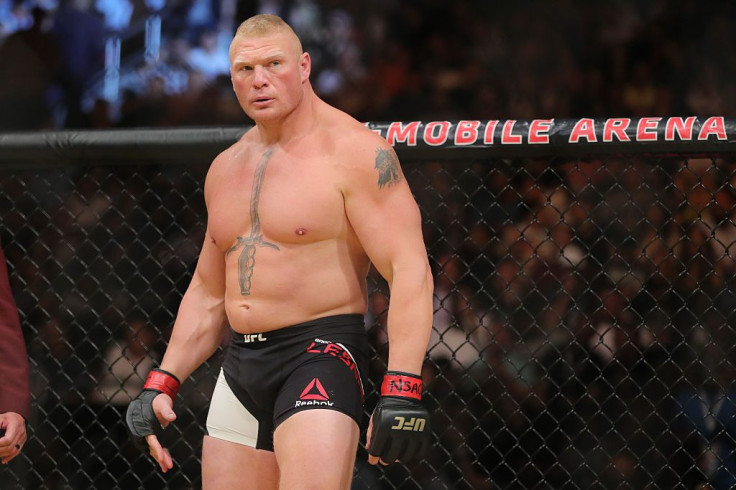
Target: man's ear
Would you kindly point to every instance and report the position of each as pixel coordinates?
(305, 64)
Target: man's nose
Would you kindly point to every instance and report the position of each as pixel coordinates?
(260, 77)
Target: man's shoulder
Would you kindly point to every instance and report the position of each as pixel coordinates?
(359, 153)
(222, 165)
(354, 142)
(222, 160)
(342, 125)
(237, 149)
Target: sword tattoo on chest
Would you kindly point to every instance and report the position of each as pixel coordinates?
(247, 258)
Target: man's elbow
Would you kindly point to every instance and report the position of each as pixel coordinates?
(423, 278)
(417, 272)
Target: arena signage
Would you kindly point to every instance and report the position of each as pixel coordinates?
(418, 140)
(546, 131)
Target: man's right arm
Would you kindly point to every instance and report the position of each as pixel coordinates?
(197, 333)
(199, 324)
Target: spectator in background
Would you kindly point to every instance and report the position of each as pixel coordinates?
(125, 363)
(29, 70)
(608, 59)
(704, 420)
(200, 17)
(150, 89)
(459, 331)
(80, 34)
(14, 16)
(210, 57)
(15, 394)
(117, 13)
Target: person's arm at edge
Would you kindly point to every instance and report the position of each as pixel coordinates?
(15, 396)
(14, 368)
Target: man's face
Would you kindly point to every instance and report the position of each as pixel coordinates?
(268, 74)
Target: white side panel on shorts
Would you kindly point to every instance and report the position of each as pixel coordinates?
(228, 419)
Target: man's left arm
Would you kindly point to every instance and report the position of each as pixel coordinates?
(386, 219)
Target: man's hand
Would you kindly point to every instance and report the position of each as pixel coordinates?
(13, 432)
(399, 427)
(151, 412)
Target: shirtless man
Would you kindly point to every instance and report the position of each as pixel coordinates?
(298, 209)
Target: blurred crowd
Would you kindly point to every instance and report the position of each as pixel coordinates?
(378, 60)
(584, 328)
(583, 331)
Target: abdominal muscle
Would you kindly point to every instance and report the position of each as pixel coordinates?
(295, 284)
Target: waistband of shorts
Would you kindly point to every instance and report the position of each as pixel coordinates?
(349, 323)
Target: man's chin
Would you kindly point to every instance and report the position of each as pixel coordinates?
(265, 114)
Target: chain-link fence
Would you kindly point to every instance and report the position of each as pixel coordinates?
(583, 332)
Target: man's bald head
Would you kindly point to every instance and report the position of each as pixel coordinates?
(265, 25)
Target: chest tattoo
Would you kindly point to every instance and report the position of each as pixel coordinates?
(247, 258)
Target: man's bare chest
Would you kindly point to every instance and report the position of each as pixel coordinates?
(279, 201)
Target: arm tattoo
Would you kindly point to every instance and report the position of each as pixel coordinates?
(247, 258)
(389, 172)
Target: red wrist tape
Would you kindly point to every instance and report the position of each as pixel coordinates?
(162, 381)
(404, 385)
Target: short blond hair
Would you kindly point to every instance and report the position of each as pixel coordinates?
(264, 25)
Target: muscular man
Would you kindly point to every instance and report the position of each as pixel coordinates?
(298, 209)
(15, 393)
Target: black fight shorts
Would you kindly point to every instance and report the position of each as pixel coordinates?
(267, 377)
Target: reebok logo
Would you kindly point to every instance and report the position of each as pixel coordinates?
(314, 394)
(314, 391)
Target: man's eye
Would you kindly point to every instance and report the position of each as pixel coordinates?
(275, 63)
(246, 68)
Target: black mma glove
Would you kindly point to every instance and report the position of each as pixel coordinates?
(139, 418)
(400, 421)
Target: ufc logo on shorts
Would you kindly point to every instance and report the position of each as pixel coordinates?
(413, 424)
(253, 337)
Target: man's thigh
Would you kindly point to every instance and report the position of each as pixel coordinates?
(228, 465)
(315, 449)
